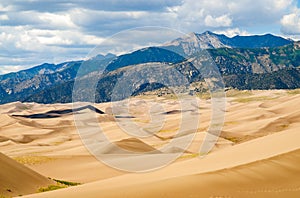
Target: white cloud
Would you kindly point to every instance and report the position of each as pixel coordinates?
(37, 31)
(22, 46)
(8, 69)
(5, 8)
(3, 17)
(233, 32)
(137, 38)
(39, 20)
(27, 39)
(281, 4)
(56, 20)
(202, 14)
(221, 21)
(290, 23)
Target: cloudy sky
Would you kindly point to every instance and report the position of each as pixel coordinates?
(37, 31)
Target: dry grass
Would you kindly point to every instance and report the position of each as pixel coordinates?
(253, 99)
(170, 97)
(204, 95)
(144, 121)
(230, 123)
(169, 130)
(189, 156)
(233, 139)
(238, 93)
(293, 92)
(32, 160)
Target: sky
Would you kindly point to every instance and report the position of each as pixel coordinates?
(37, 31)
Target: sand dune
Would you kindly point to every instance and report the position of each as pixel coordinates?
(135, 145)
(256, 156)
(17, 179)
(81, 169)
(274, 177)
(265, 167)
(59, 113)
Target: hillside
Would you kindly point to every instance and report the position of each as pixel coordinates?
(266, 68)
(20, 85)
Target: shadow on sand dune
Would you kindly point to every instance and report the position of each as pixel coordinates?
(59, 113)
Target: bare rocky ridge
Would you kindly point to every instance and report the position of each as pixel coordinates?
(194, 42)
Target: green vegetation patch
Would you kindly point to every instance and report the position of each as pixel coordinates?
(67, 183)
(51, 188)
(59, 185)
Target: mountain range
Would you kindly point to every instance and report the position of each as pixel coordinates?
(192, 42)
(245, 62)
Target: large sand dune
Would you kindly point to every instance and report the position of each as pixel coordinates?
(17, 179)
(257, 154)
(265, 167)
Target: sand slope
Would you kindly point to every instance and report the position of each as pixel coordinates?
(274, 177)
(17, 179)
(264, 167)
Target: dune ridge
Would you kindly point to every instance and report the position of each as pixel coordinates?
(17, 179)
(272, 173)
